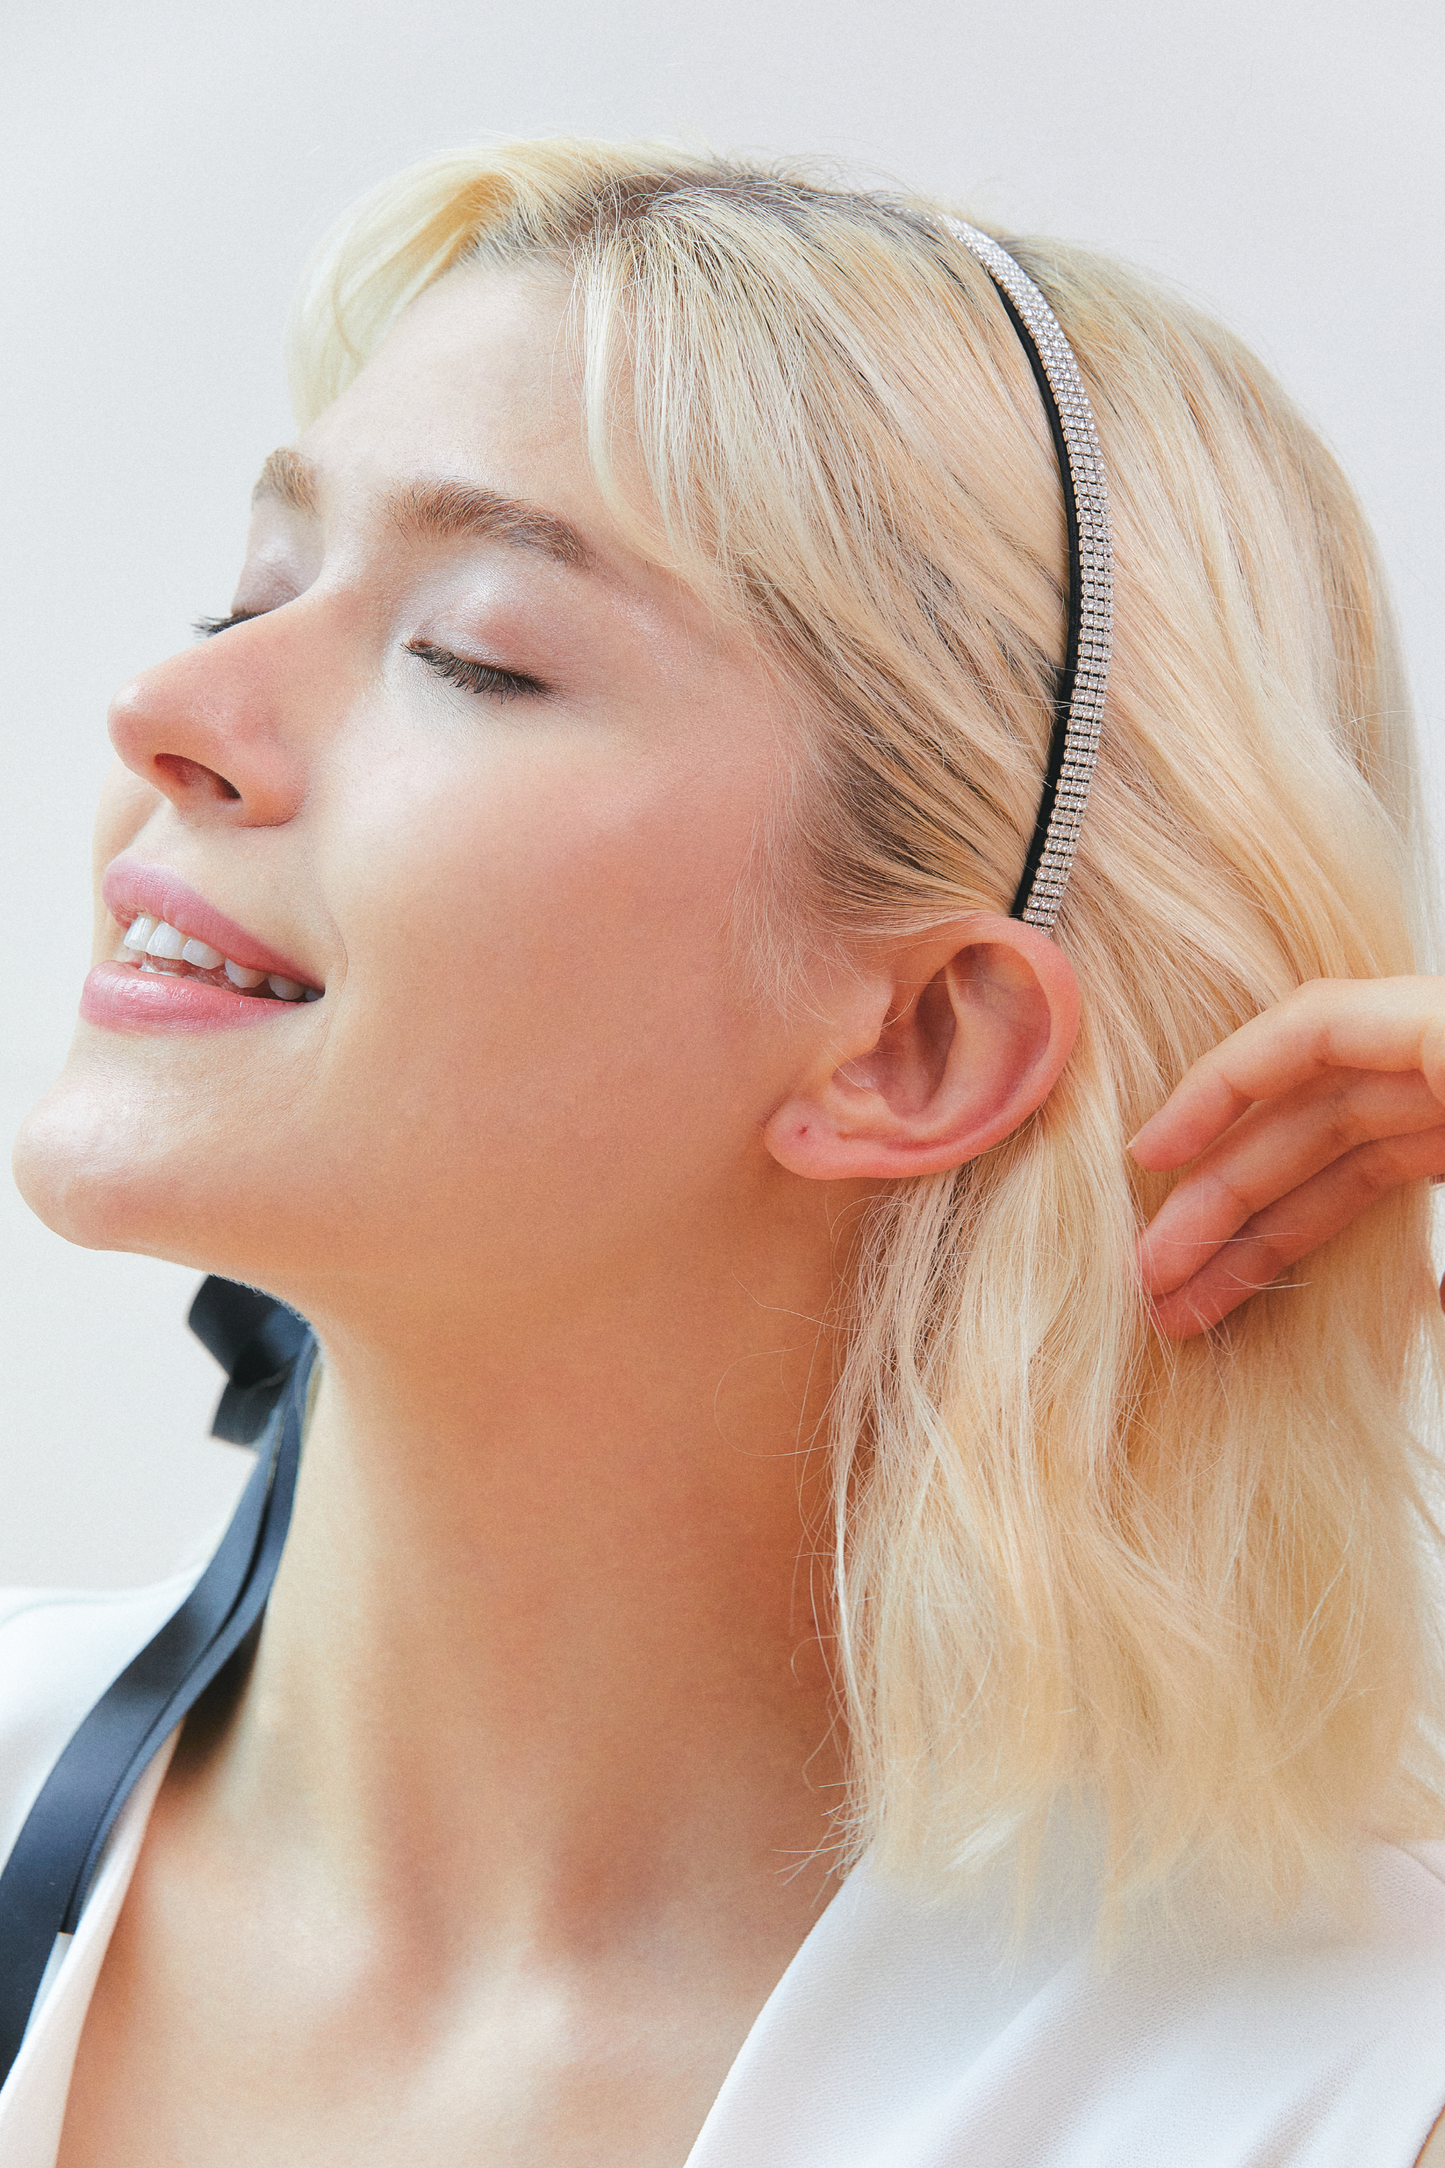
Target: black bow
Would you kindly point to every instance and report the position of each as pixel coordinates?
(256, 1341)
(268, 1351)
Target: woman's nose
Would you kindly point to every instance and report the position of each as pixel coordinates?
(205, 728)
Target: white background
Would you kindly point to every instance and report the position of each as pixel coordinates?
(166, 169)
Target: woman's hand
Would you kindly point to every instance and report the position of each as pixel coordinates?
(1294, 1125)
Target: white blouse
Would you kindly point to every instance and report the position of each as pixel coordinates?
(898, 2037)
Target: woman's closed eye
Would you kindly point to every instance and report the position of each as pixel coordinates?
(476, 677)
(471, 676)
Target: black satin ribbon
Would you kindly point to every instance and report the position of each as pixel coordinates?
(256, 1340)
(52, 1865)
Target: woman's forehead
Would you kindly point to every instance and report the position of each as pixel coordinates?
(468, 424)
(483, 349)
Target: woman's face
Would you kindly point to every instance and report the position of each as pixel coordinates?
(486, 780)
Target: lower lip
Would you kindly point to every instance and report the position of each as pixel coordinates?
(124, 998)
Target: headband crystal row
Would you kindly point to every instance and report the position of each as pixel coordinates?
(1079, 700)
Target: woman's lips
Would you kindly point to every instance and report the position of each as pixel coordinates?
(122, 997)
(130, 888)
(179, 984)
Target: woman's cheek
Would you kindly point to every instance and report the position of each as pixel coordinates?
(126, 804)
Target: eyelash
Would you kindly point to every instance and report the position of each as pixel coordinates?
(476, 677)
(472, 677)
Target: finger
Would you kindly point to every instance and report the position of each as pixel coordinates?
(1293, 1227)
(1267, 1154)
(1379, 1024)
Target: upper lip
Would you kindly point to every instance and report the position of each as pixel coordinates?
(130, 888)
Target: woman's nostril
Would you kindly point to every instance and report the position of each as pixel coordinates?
(190, 775)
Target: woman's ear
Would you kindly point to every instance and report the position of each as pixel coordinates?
(934, 1053)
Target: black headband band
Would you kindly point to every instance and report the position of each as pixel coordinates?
(1079, 697)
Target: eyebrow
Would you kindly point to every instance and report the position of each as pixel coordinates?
(285, 474)
(440, 509)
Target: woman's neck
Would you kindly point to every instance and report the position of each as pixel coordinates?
(543, 1663)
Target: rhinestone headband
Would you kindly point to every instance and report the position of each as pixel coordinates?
(1079, 699)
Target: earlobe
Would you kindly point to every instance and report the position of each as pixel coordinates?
(937, 1057)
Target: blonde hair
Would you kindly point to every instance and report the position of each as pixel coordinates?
(1191, 1586)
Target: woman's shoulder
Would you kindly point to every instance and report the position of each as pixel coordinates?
(1427, 1858)
(60, 1648)
(913, 2032)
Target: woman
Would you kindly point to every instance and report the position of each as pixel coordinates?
(572, 961)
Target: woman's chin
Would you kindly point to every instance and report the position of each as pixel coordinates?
(74, 1178)
(100, 1170)
(115, 1157)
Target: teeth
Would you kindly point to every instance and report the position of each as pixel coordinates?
(150, 936)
